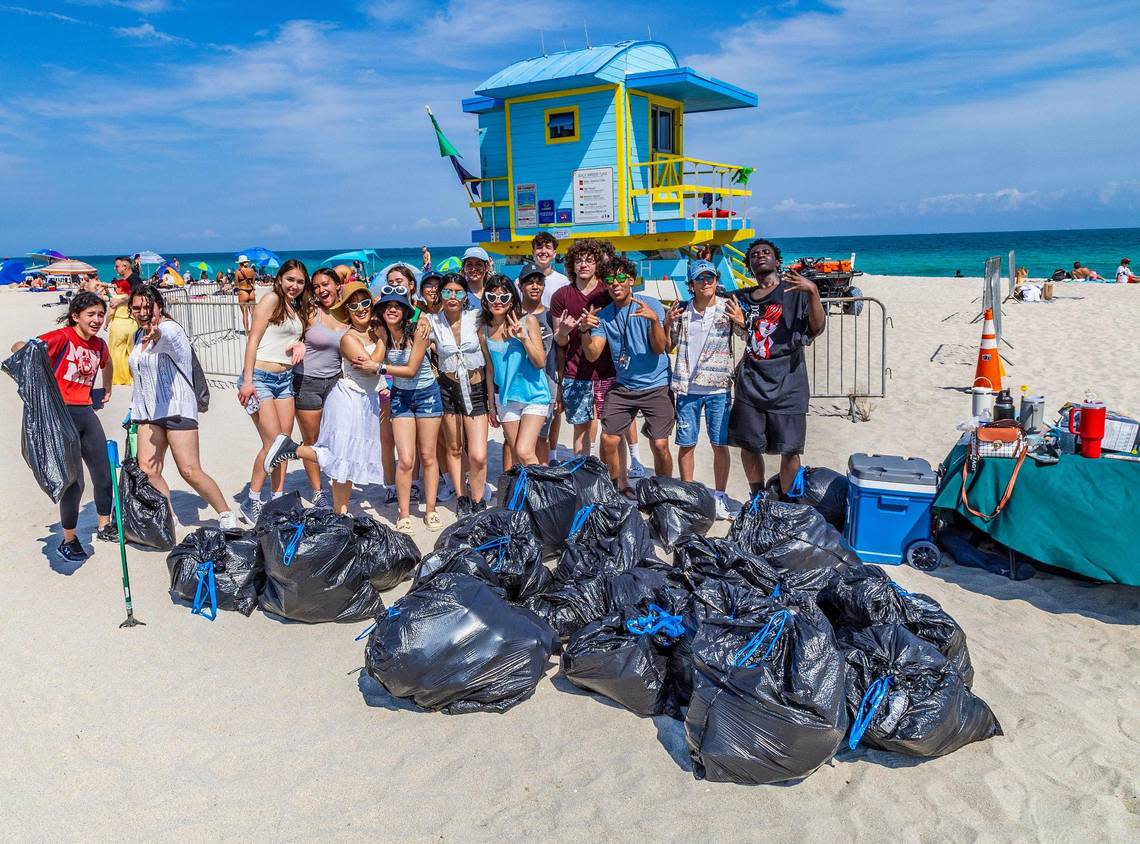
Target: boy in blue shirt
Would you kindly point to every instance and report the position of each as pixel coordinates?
(631, 327)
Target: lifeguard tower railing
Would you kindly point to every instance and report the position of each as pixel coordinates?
(711, 193)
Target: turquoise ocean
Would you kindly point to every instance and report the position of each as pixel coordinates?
(934, 255)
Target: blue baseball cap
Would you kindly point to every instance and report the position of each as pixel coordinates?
(699, 268)
(476, 252)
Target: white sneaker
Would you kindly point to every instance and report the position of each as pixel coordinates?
(725, 508)
(227, 521)
(636, 470)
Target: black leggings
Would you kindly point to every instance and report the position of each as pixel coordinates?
(93, 443)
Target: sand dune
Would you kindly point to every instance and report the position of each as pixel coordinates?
(252, 728)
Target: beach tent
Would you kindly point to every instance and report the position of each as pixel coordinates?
(68, 267)
(261, 256)
(12, 271)
(368, 257)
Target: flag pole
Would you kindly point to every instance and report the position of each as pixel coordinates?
(466, 187)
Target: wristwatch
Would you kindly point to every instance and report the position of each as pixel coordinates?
(383, 370)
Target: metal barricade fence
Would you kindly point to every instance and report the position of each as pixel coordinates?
(213, 323)
(849, 359)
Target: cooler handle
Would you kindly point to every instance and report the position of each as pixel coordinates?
(893, 503)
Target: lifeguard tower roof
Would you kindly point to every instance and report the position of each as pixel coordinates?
(648, 66)
(591, 143)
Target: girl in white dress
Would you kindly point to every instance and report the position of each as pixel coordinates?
(348, 448)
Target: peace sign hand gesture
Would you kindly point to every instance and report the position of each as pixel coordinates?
(514, 327)
(733, 311)
(799, 283)
(644, 311)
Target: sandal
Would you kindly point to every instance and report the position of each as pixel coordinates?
(404, 525)
(433, 521)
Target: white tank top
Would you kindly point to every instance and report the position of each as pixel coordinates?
(277, 338)
(357, 380)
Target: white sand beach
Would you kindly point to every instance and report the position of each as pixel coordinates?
(251, 728)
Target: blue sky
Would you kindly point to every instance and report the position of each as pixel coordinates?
(184, 125)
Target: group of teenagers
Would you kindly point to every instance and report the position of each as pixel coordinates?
(399, 384)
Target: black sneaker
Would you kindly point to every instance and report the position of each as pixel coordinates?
(478, 506)
(71, 552)
(463, 506)
(281, 450)
(107, 533)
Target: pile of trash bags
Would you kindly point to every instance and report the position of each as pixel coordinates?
(303, 564)
(818, 487)
(776, 646)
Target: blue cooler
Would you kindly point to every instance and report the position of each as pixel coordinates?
(888, 505)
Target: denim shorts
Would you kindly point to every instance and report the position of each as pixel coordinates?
(273, 385)
(582, 400)
(422, 403)
(715, 407)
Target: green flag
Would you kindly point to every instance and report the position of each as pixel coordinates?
(446, 148)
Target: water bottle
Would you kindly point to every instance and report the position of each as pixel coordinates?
(1003, 406)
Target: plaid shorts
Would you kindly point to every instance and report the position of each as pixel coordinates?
(582, 400)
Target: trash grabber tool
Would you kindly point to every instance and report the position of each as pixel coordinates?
(113, 459)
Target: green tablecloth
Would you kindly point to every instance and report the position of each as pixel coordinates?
(1081, 515)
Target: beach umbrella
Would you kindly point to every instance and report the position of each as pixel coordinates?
(148, 258)
(47, 255)
(68, 267)
(202, 265)
(12, 271)
(450, 265)
(261, 256)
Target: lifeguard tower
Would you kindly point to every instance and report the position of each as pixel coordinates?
(590, 143)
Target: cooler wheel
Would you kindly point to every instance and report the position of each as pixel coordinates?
(923, 555)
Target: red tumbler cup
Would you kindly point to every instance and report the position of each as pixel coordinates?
(1087, 422)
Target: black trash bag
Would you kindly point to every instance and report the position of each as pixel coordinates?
(905, 696)
(818, 487)
(287, 503)
(49, 440)
(507, 542)
(697, 559)
(768, 694)
(551, 495)
(147, 519)
(675, 508)
(731, 599)
(388, 556)
(571, 605)
(314, 571)
(625, 657)
(237, 568)
(454, 644)
(618, 532)
(791, 536)
(866, 596)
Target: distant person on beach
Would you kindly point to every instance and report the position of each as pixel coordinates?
(476, 268)
(1124, 274)
(273, 347)
(778, 317)
(121, 325)
(244, 278)
(163, 403)
(77, 354)
(1081, 273)
(958, 274)
(319, 371)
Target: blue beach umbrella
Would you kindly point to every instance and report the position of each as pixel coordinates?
(449, 265)
(261, 256)
(12, 271)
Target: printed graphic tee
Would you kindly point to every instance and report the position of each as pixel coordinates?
(772, 376)
(75, 362)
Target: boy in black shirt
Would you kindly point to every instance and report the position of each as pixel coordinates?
(777, 318)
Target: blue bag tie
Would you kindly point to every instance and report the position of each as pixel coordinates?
(797, 490)
(773, 629)
(574, 465)
(367, 630)
(902, 592)
(580, 519)
(499, 542)
(206, 589)
(754, 504)
(656, 621)
(871, 700)
(293, 544)
(518, 496)
(776, 591)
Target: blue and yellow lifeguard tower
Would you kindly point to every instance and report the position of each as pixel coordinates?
(590, 143)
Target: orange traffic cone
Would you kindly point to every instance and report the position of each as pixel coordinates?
(988, 373)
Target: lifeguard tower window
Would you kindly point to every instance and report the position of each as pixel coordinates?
(663, 122)
(561, 125)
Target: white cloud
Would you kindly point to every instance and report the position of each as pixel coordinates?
(143, 7)
(36, 13)
(147, 32)
(277, 230)
(425, 223)
(795, 208)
